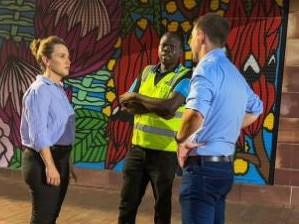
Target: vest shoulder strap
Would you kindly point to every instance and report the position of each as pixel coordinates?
(146, 71)
(183, 70)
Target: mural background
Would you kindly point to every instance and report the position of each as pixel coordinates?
(110, 42)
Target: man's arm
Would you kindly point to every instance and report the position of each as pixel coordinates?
(249, 119)
(254, 108)
(191, 122)
(133, 108)
(163, 107)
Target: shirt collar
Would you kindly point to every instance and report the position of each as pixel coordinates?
(157, 67)
(48, 81)
(214, 53)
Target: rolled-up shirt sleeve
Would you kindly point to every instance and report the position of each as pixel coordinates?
(183, 87)
(201, 93)
(254, 104)
(38, 104)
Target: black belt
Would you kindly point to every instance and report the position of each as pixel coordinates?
(61, 147)
(201, 159)
(54, 148)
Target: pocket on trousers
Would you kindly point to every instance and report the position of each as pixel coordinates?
(219, 186)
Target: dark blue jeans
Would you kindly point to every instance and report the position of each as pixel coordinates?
(203, 192)
(141, 167)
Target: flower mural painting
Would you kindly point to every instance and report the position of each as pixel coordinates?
(6, 146)
(136, 53)
(90, 29)
(17, 73)
(258, 154)
(257, 29)
(110, 42)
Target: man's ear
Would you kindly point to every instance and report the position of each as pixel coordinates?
(201, 37)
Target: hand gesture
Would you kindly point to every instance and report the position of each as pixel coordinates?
(184, 149)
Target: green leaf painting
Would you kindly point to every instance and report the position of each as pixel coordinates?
(91, 142)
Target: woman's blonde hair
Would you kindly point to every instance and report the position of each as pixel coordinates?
(44, 47)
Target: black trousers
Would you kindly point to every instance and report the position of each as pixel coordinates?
(141, 167)
(46, 199)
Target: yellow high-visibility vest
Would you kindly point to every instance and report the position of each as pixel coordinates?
(150, 130)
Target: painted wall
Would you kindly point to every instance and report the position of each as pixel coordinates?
(287, 152)
(110, 41)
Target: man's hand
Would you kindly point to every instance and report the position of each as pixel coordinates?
(126, 97)
(129, 104)
(133, 108)
(184, 149)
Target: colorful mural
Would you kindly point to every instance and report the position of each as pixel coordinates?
(110, 41)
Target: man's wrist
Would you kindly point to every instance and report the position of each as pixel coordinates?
(178, 141)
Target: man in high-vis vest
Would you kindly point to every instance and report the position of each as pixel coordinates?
(157, 99)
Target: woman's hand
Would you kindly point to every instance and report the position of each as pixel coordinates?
(52, 175)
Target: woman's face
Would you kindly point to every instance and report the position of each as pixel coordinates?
(59, 63)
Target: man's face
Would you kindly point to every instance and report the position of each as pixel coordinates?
(169, 50)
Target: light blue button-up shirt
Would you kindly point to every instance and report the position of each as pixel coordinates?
(221, 94)
(47, 116)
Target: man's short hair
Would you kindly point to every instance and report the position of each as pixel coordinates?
(176, 35)
(214, 26)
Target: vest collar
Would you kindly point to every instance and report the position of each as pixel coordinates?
(157, 69)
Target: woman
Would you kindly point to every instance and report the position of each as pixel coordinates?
(47, 131)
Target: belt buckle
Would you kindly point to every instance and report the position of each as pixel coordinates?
(219, 159)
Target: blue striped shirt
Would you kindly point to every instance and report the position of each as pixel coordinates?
(47, 116)
(221, 94)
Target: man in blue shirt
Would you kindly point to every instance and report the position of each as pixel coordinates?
(219, 104)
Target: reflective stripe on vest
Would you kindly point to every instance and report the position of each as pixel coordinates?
(150, 130)
(153, 130)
